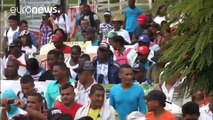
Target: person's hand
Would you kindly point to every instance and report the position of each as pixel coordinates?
(4, 102)
(19, 103)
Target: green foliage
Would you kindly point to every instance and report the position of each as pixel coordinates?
(191, 46)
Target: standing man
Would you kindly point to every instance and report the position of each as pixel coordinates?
(97, 109)
(120, 97)
(68, 104)
(131, 14)
(105, 66)
(105, 27)
(60, 73)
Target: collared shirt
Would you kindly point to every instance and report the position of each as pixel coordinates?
(46, 32)
(82, 94)
(102, 68)
(205, 113)
(53, 92)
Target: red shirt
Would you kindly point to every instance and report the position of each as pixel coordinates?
(71, 111)
(67, 49)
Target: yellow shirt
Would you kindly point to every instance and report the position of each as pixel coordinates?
(95, 114)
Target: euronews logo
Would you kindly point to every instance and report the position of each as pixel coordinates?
(34, 10)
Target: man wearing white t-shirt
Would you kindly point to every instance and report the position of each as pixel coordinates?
(117, 22)
(9, 32)
(206, 111)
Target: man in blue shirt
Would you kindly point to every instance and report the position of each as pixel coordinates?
(62, 76)
(127, 96)
(131, 14)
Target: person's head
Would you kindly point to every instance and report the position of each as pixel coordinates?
(149, 16)
(139, 72)
(13, 21)
(25, 38)
(131, 3)
(45, 18)
(143, 52)
(110, 36)
(142, 20)
(149, 33)
(67, 94)
(32, 66)
(103, 51)
(190, 111)
(161, 10)
(155, 28)
(76, 52)
(84, 57)
(85, 72)
(87, 9)
(60, 71)
(57, 40)
(86, 118)
(61, 57)
(60, 9)
(81, 8)
(144, 40)
(61, 32)
(126, 74)
(198, 97)
(23, 25)
(155, 100)
(117, 22)
(96, 96)
(117, 42)
(84, 25)
(52, 58)
(15, 48)
(27, 84)
(54, 114)
(90, 33)
(12, 68)
(107, 16)
(35, 101)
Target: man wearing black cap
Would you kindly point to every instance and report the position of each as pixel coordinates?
(155, 102)
(85, 75)
(105, 27)
(106, 69)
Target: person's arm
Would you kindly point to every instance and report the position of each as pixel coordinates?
(142, 104)
(4, 107)
(5, 41)
(54, 25)
(100, 33)
(35, 114)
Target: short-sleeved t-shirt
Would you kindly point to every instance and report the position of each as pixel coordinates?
(105, 28)
(165, 116)
(95, 114)
(131, 16)
(9, 34)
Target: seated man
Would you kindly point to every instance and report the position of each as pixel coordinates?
(97, 108)
(106, 71)
(11, 71)
(155, 102)
(80, 36)
(68, 104)
(57, 40)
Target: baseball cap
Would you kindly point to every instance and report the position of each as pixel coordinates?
(110, 35)
(90, 30)
(155, 95)
(84, 66)
(144, 50)
(104, 46)
(144, 38)
(107, 13)
(138, 67)
(57, 37)
(118, 18)
(24, 32)
(45, 15)
(142, 19)
(54, 114)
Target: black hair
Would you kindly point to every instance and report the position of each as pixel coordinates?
(119, 39)
(86, 6)
(38, 95)
(85, 57)
(110, 53)
(124, 66)
(62, 66)
(85, 118)
(60, 54)
(15, 62)
(13, 17)
(28, 41)
(77, 47)
(64, 117)
(54, 52)
(27, 79)
(32, 64)
(66, 85)
(159, 8)
(62, 32)
(190, 108)
(96, 87)
(23, 22)
(149, 33)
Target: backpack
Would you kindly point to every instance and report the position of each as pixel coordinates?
(122, 59)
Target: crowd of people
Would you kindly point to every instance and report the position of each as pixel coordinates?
(129, 48)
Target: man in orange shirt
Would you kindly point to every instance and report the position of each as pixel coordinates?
(155, 102)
